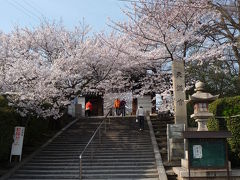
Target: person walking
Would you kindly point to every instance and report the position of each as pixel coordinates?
(140, 114)
(88, 108)
(117, 106)
(122, 107)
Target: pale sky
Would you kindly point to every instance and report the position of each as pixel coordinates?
(30, 12)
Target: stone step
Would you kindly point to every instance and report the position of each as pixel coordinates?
(161, 138)
(125, 148)
(103, 146)
(103, 142)
(95, 157)
(146, 153)
(160, 128)
(87, 171)
(163, 151)
(149, 159)
(171, 175)
(106, 140)
(172, 164)
(157, 121)
(123, 176)
(44, 178)
(76, 167)
(105, 150)
(92, 179)
(76, 163)
(87, 176)
(118, 171)
(160, 131)
(162, 144)
(160, 120)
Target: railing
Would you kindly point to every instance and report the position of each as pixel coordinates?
(98, 130)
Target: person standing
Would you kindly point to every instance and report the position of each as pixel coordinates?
(140, 116)
(122, 107)
(88, 108)
(117, 106)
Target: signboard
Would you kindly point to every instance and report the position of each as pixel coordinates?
(18, 142)
(179, 92)
(207, 153)
(197, 151)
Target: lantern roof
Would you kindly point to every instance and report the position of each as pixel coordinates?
(201, 96)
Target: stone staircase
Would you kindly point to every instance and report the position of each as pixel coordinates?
(124, 153)
(159, 123)
(59, 160)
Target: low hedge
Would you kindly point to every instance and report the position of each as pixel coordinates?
(8, 120)
(227, 107)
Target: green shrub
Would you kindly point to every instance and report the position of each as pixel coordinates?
(3, 102)
(8, 120)
(191, 121)
(227, 107)
(37, 130)
(213, 124)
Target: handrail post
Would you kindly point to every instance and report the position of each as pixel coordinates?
(91, 151)
(99, 135)
(80, 167)
(105, 123)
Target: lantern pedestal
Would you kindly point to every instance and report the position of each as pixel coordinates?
(206, 157)
(202, 124)
(201, 118)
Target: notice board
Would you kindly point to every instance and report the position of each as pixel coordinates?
(207, 153)
(17, 142)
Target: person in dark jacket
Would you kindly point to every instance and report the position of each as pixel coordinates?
(140, 114)
(122, 107)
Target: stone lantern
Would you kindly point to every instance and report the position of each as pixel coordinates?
(201, 100)
(206, 155)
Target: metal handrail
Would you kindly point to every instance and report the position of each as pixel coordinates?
(89, 142)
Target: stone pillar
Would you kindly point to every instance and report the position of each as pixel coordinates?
(174, 132)
(179, 92)
(78, 110)
(81, 100)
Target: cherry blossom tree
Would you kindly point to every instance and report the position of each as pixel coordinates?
(171, 30)
(44, 68)
(226, 29)
(162, 31)
(132, 72)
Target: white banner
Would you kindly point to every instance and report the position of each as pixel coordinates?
(18, 141)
